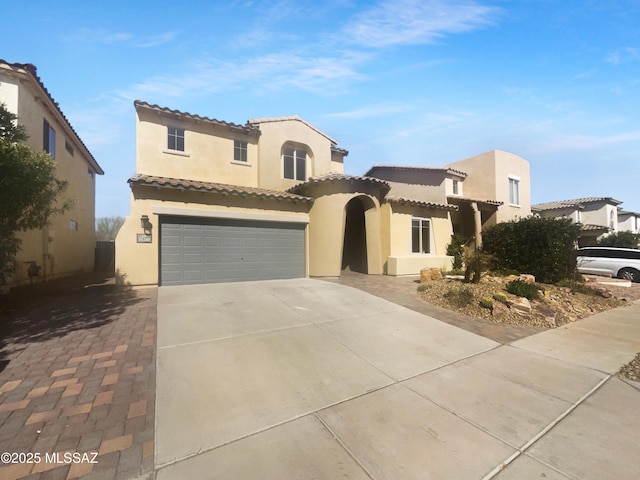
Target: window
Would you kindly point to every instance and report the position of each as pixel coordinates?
(239, 151)
(73, 225)
(421, 235)
(49, 139)
(514, 191)
(456, 189)
(295, 163)
(68, 147)
(175, 139)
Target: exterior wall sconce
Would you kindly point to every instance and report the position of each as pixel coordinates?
(145, 224)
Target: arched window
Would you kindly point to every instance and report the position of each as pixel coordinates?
(294, 160)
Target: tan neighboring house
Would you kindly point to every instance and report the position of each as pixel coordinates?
(67, 246)
(628, 221)
(598, 216)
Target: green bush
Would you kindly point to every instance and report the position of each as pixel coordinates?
(523, 289)
(459, 298)
(500, 297)
(544, 247)
(620, 239)
(486, 302)
(456, 250)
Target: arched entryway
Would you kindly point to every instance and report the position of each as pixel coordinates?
(354, 249)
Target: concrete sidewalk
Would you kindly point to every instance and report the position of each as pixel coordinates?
(309, 379)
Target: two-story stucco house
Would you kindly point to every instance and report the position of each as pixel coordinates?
(598, 216)
(67, 246)
(628, 221)
(213, 201)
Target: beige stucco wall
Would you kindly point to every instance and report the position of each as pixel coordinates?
(138, 263)
(208, 154)
(58, 249)
(488, 179)
(400, 260)
(275, 134)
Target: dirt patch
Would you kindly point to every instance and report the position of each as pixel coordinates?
(556, 306)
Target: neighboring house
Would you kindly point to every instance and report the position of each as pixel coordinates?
(487, 189)
(215, 201)
(628, 221)
(598, 216)
(67, 245)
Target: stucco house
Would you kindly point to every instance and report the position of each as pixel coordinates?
(214, 201)
(67, 246)
(598, 216)
(628, 221)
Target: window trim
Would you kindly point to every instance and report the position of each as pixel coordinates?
(420, 238)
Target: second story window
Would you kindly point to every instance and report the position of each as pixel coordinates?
(175, 139)
(295, 163)
(514, 191)
(456, 187)
(49, 139)
(239, 151)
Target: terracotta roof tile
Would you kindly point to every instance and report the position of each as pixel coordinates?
(332, 177)
(224, 189)
(578, 202)
(588, 227)
(245, 128)
(417, 168)
(477, 200)
(420, 203)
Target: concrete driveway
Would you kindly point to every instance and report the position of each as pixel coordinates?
(300, 379)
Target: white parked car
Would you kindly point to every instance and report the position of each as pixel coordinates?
(611, 261)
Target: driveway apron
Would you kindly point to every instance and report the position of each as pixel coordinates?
(310, 379)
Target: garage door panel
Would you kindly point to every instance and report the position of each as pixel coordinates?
(197, 250)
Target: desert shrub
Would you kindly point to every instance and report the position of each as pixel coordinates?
(486, 302)
(500, 297)
(544, 247)
(523, 289)
(456, 250)
(477, 262)
(459, 298)
(620, 239)
(504, 272)
(422, 287)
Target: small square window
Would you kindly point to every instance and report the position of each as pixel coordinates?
(239, 151)
(68, 147)
(73, 225)
(175, 139)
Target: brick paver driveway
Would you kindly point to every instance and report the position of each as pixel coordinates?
(77, 375)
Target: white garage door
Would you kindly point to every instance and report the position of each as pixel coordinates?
(202, 250)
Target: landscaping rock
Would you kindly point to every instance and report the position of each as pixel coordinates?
(604, 292)
(527, 278)
(500, 310)
(429, 274)
(521, 306)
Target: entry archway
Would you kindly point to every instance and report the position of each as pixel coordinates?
(354, 248)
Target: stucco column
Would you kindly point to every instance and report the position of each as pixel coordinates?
(477, 223)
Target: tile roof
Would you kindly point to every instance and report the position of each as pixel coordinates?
(251, 129)
(32, 71)
(224, 189)
(339, 150)
(477, 200)
(333, 177)
(578, 202)
(421, 203)
(588, 227)
(417, 168)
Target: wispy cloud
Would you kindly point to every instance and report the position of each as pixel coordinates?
(104, 37)
(371, 111)
(578, 142)
(625, 55)
(415, 22)
(272, 72)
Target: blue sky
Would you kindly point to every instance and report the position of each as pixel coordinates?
(405, 82)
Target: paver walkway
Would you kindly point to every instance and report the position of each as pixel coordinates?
(78, 375)
(402, 291)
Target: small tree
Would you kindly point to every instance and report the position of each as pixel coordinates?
(107, 228)
(620, 239)
(456, 250)
(30, 194)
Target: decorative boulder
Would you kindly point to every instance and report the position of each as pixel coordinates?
(527, 278)
(499, 310)
(428, 274)
(521, 306)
